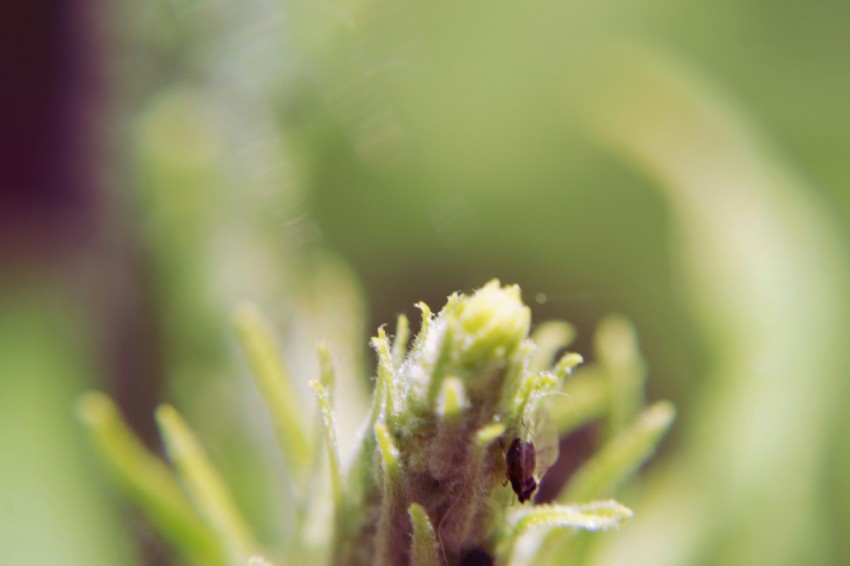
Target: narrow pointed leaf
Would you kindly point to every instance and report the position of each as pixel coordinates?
(275, 386)
(452, 399)
(567, 363)
(402, 335)
(622, 456)
(424, 550)
(594, 516)
(616, 347)
(393, 525)
(327, 375)
(386, 381)
(205, 486)
(150, 483)
(585, 399)
(325, 400)
(533, 388)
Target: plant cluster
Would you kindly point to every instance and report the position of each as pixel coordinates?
(450, 435)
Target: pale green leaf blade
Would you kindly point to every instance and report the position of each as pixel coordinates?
(207, 489)
(391, 544)
(622, 456)
(147, 479)
(424, 550)
(275, 386)
(586, 397)
(323, 395)
(593, 516)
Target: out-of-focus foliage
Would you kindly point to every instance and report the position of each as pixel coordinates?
(681, 163)
(451, 416)
(765, 276)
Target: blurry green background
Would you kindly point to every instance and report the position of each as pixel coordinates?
(682, 163)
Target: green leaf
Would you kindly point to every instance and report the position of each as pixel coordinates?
(360, 471)
(208, 491)
(452, 400)
(402, 335)
(147, 479)
(389, 453)
(621, 457)
(534, 387)
(327, 375)
(276, 388)
(515, 376)
(325, 399)
(425, 324)
(567, 363)
(424, 550)
(444, 358)
(616, 347)
(586, 398)
(393, 525)
(386, 386)
(594, 516)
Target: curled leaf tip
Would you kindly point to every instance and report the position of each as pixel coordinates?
(568, 363)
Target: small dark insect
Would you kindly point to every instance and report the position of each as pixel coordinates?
(520, 468)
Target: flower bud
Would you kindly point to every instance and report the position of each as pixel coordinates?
(490, 324)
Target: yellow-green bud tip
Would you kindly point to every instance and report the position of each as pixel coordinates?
(452, 400)
(491, 323)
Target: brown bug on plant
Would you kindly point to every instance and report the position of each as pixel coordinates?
(526, 464)
(520, 468)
